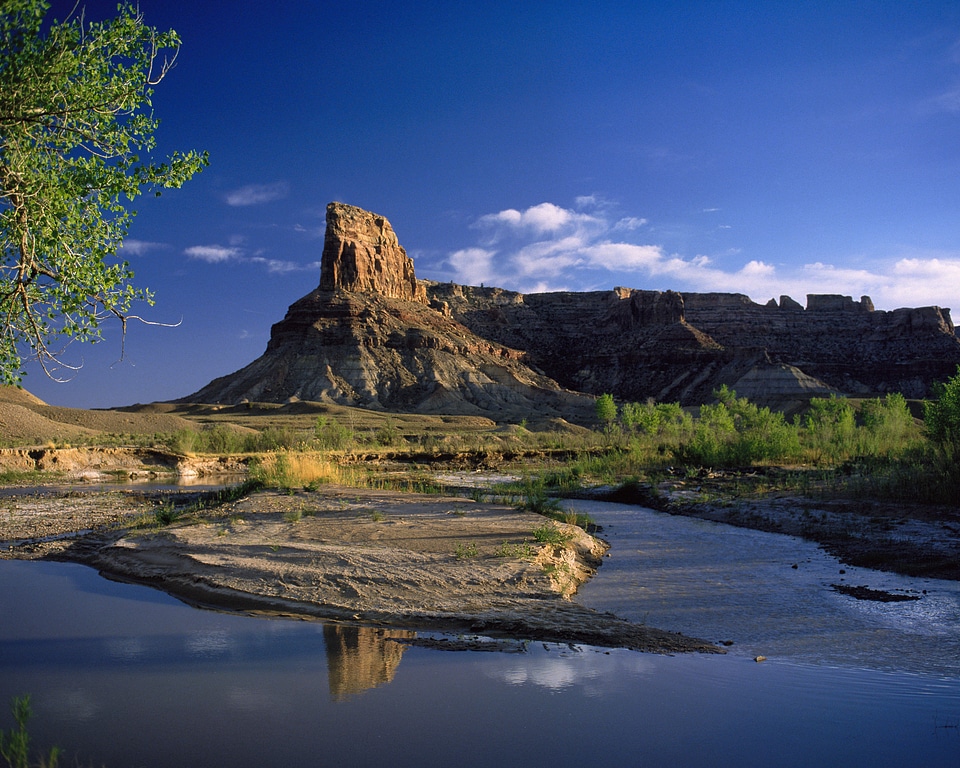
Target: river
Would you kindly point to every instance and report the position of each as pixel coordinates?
(122, 675)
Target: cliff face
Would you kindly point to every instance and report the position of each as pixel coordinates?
(847, 344)
(366, 337)
(373, 335)
(361, 254)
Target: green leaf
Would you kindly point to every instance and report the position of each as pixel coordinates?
(76, 132)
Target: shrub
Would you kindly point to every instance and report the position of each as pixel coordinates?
(387, 434)
(606, 410)
(535, 497)
(550, 534)
(465, 551)
(331, 435)
(736, 432)
(888, 426)
(941, 417)
(830, 428)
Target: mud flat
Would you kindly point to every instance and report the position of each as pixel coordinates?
(373, 557)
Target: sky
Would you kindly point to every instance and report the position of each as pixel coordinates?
(765, 148)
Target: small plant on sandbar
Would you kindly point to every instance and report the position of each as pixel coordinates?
(465, 551)
(167, 513)
(523, 550)
(550, 534)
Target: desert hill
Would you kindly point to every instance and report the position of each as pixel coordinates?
(372, 335)
(25, 417)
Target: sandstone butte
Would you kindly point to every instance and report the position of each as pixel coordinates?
(372, 335)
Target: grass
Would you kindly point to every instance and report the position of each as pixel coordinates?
(15, 743)
(522, 550)
(873, 448)
(550, 534)
(466, 551)
(169, 512)
(27, 477)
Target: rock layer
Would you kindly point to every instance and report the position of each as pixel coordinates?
(367, 338)
(361, 254)
(372, 335)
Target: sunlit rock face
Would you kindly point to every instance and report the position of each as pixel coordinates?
(361, 254)
(373, 335)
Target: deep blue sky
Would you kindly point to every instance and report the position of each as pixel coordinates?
(765, 148)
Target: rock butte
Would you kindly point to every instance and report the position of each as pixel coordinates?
(373, 335)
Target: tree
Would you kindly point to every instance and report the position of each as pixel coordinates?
(606, 410)
(75, 114)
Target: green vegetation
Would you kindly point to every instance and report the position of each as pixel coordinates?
(839, 446)
(75, 115)
(331, 435)
(550, 534)
(15, 743)
(606, 410)
(942, 415)
(522, 550)
(533, 495)
(169, 512)
(463, 551)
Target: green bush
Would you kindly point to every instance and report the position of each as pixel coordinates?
(941, 417)
(606, 410)
(736, 432)
(829, 429)
(888, 427)
(331, 435)
(387, 434)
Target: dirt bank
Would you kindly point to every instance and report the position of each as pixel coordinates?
(100, 463)
(375, 557)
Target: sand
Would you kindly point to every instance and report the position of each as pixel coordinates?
(375, 558)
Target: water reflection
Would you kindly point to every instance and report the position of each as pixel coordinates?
(360, 658)
(123, 675)
(594, 671)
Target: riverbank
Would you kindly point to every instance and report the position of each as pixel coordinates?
(372, 557)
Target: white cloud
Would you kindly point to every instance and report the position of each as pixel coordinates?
(630, 223)
(134, 247)
(473, 266)
(547, 247)
(624, 256)
(281, 267)
(539, 219)
(256, 194)
(221, 254)
(212, 254)
(312, 232)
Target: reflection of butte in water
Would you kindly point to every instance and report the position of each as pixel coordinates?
(359, 658)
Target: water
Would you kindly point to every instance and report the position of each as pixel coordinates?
(768, 594)
(121, 675)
